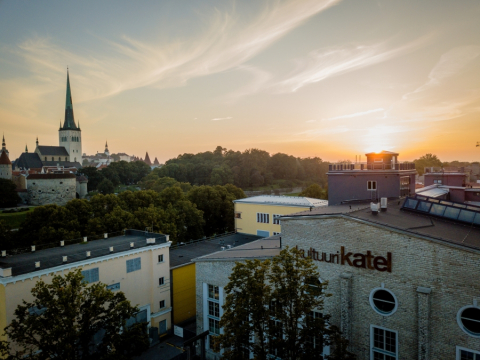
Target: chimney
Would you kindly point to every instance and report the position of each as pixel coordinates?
(88, 254)
(105, 236)
(37, 264)
(62, 243)
(132, 244)
(65, 258)
(33, 248)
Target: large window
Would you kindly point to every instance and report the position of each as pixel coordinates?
(383, 344)
(91, 275)
(276, 219)
(371, 185)
(263, 218)
(383, 301)
(467, 354)
(134, 264)
(213, 298)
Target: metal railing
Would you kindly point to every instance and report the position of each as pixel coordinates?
(213, 237)
(371, 166)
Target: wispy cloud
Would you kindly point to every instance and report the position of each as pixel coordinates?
(224, 118)
(227, 42)
(325, 63)
(450, 63)
(357, 114)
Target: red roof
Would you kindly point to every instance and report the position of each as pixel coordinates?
(4, 160)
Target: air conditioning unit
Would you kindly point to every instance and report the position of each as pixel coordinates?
(383, 204)
(374, 208)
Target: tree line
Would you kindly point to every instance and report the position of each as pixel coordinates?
(202, 211)
(247, 169)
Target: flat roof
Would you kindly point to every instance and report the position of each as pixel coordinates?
(49, 258)
(262, 248)
(410, 222)
(283, 200)
(183, 254)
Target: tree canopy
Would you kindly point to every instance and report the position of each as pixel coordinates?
(70, 319)
(315, 191)
(275, 307)
(8, 195)
(427, 160)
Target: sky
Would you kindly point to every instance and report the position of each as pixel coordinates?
(326, 78)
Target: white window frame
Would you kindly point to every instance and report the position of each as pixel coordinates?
(160, 304)
(372, 304)
(371, 182)
(162, 280)
(459, 321)
(206, 314)
(372, 348)
(460, 348)
(275, 220)
(263, 218)
(163, 258)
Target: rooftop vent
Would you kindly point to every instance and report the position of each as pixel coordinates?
(65, 258)
(229, 246)
(132, 244)
(88, 253)
(33, 248)
(223, 248)
(374, 208)
(151, 241)
(84, 239)
(4, 253)
(62, 243)
(111, 248)
(105, 236)
(383, 204)
(37, 264)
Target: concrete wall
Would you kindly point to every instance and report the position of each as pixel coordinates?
(352, 185)
(248, 224)
(51, 191)
(6, 171)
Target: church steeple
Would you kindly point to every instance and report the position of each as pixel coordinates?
(69, 123)
(4, 146)
(26, 148)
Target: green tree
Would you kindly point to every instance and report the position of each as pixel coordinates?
(64, 318)
(6, 236)
(94, 176)
(427, 160)
(275, 307)
(314, 191)
(106, 187)
(8, 194)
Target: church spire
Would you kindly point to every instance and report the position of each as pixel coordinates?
(69, 123)
(26, 148)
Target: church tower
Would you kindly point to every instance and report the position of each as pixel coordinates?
(69, 135)
(106, 152)
(4, 147)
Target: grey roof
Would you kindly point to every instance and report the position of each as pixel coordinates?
(28, 161)
(263, 248)
(25, 263)
(181, 255)
(53, 150)
(67, 164)
(283, 200)
(433, 191)
(406, 221)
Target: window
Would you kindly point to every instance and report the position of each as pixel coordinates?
(238, 215)
(139, 317)
(467, 354)
(134, 264)
(114, 287)
(161, 281)
(45, 158)
(214, 309)
(383, 301)
(468, 318)
(213, 292)
(35, 310)
(437, 181)
(65, 158)
(276, 219)
(371, 185)
(276, 233)
(162, 304)
(263, 218)
(90, 276)
(214, 326)
(53, 159)
(383, 344)
(160, 258)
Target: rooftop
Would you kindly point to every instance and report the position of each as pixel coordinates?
(263, 248)
(52, 150)
(53, 257)
(183, 254)
(425, 225)
(283, 200)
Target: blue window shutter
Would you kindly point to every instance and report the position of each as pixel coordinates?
(138, 263)
(129, 266)
(94, 275)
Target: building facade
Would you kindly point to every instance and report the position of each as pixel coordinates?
(136, 263)
(260, 215)
(46, 189)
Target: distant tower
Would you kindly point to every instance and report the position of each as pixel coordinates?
(4, 147)
(26, 148)
(147, 159)
(5, 166)
(106, 149)
(69, 135)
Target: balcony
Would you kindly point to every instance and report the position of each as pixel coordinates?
(371, 166)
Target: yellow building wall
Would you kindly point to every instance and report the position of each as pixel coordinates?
(248, 224)
(141, 287)
(183, 293)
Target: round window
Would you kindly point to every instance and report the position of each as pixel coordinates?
(468, 319)
(383, 301)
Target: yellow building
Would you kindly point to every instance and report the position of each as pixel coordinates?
(136, 263)
(258, 215)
